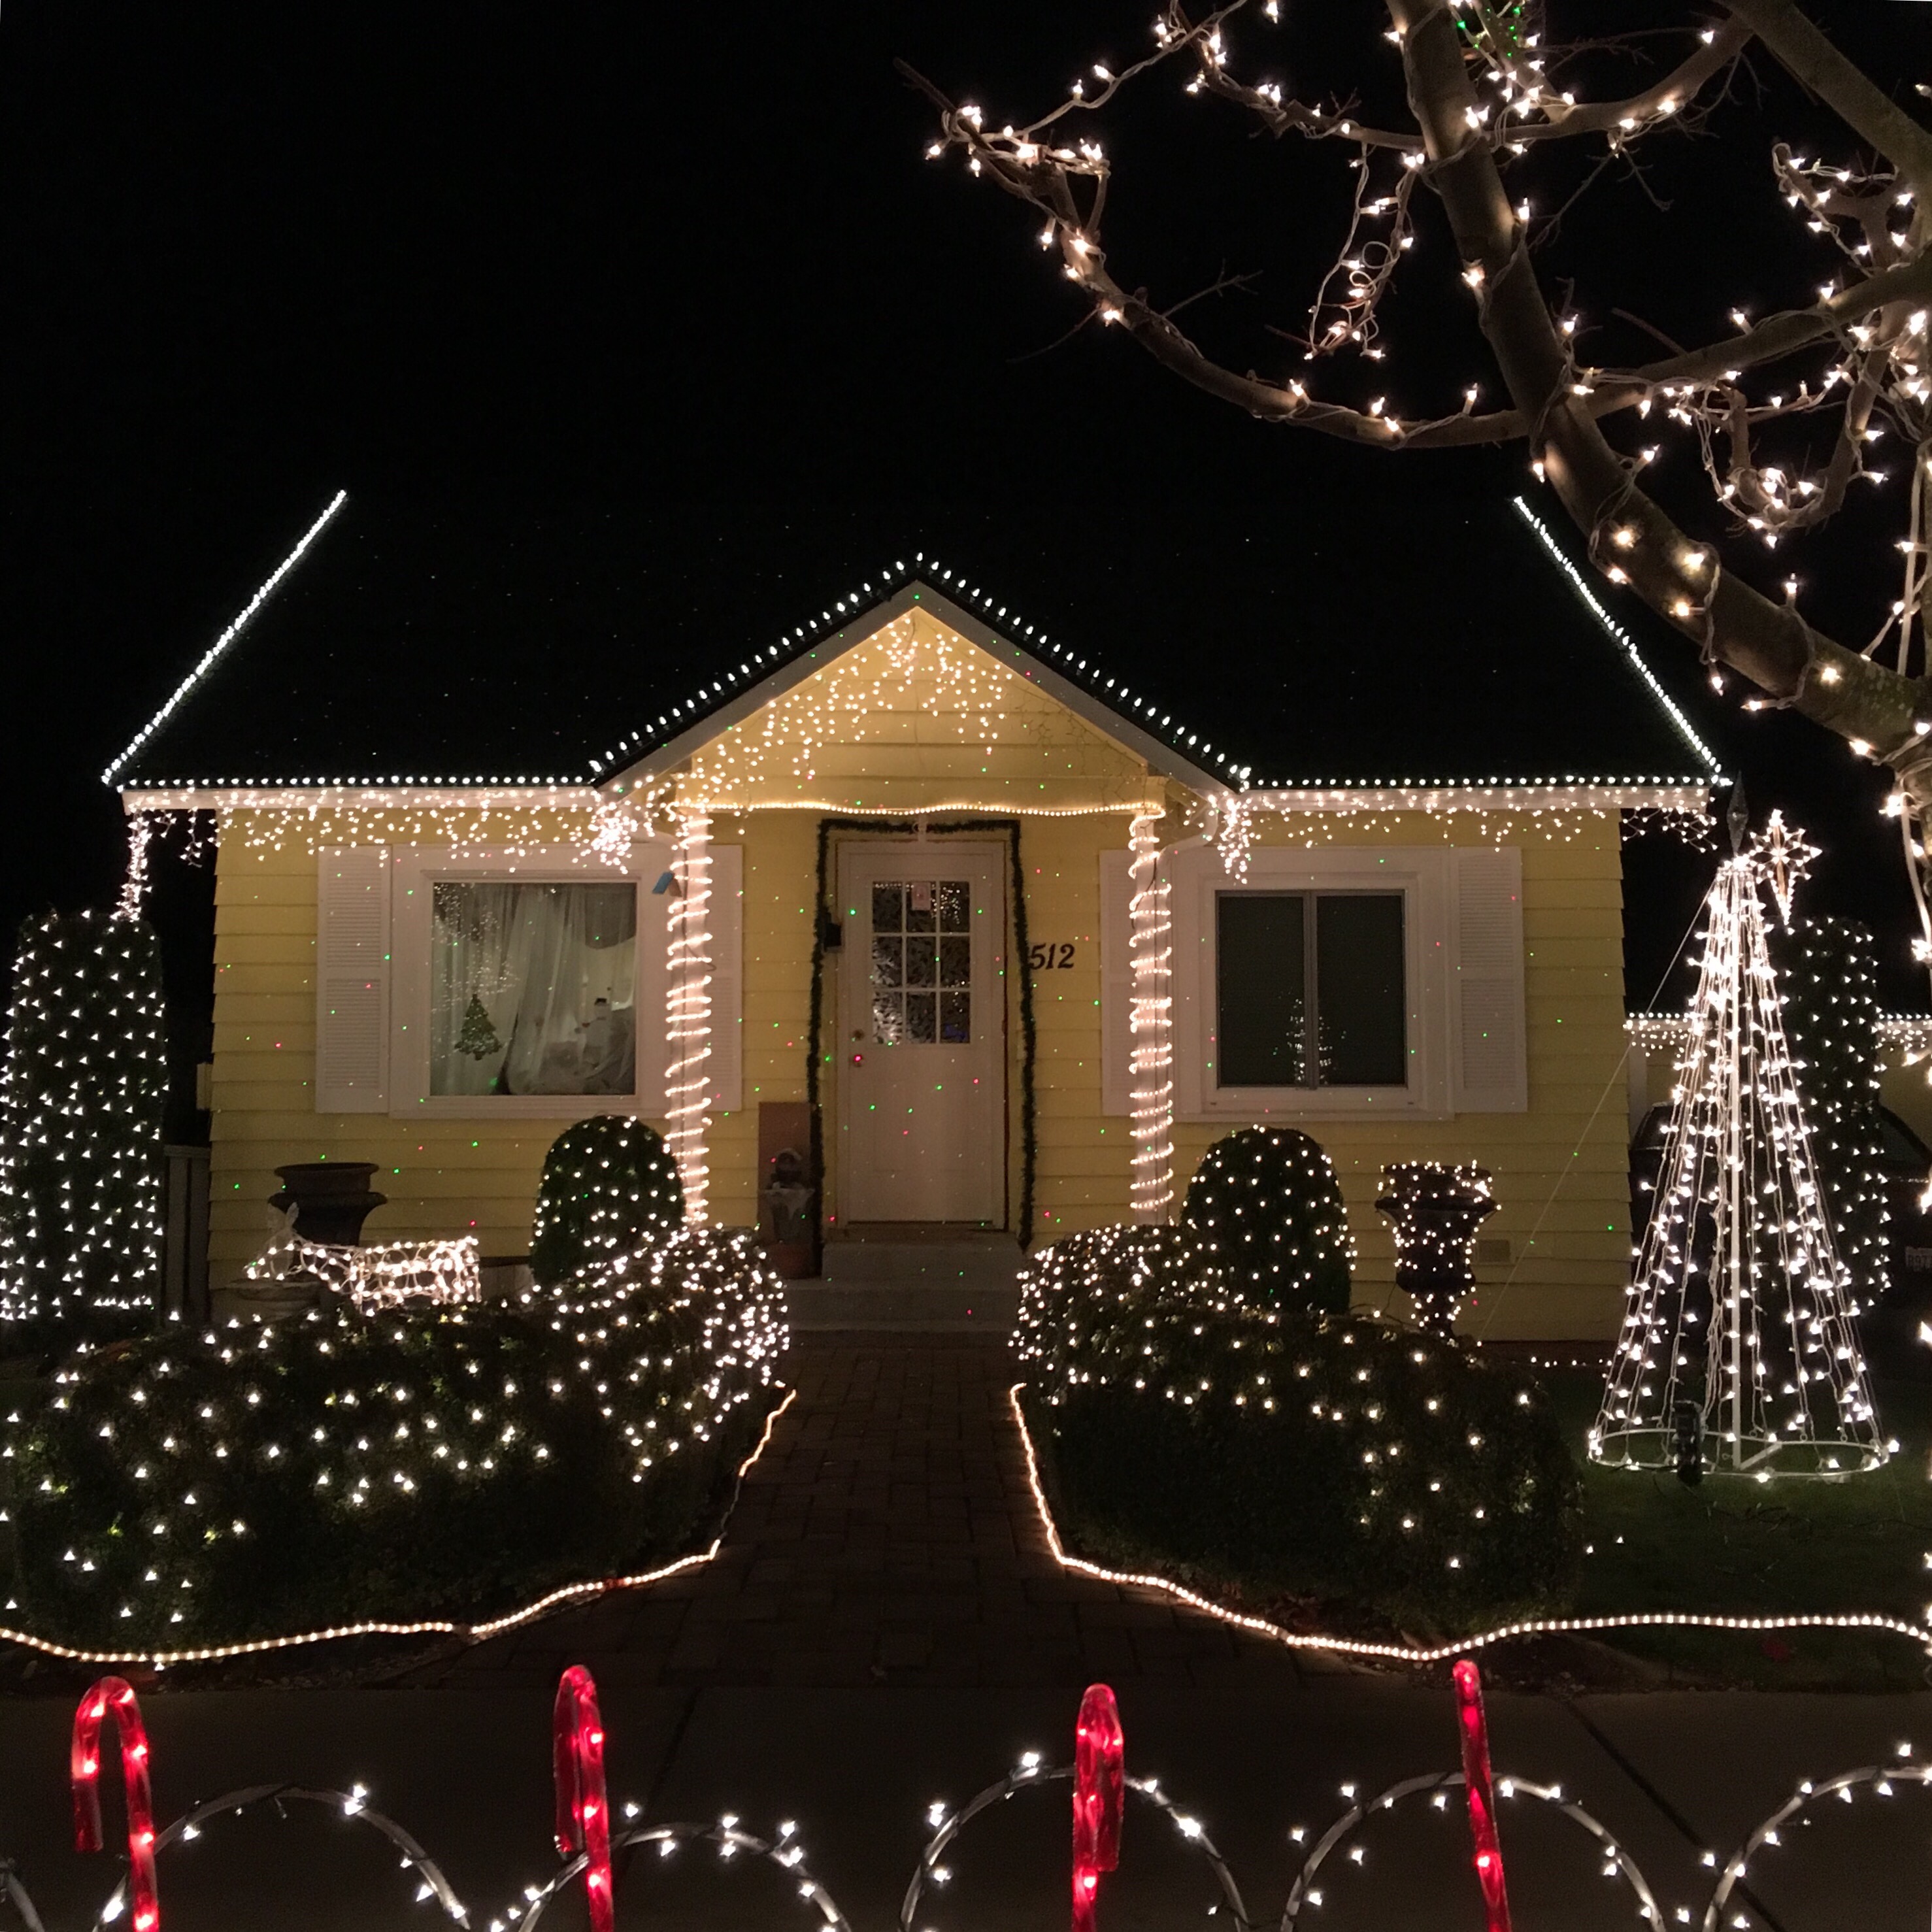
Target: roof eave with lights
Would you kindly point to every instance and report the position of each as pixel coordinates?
(1138, 723)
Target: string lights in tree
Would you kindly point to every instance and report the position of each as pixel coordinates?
(81, 1105)
(1741, 1317)
(687, 1017)
(1150, 1024)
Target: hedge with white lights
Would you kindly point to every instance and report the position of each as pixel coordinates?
(81, 1101)
(196, 1488)
(1265, 1212)
(1827, 970)
(1190, 1427)
(608, 1183)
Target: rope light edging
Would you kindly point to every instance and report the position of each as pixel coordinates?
(567, 1593)
(1435, 1653)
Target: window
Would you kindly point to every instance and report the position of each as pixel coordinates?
(922, 961)
(533, 989)
(1281, 956)
(499, 985)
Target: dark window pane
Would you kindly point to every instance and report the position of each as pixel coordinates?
(956, 1018)
(920, 963)
(955, 905)
(888, 906)
(1358, 977)
(918, 905)
(956, 962)
(1258, 966)
(886, 969)
(919, 1016)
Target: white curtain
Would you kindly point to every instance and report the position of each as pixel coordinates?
(533, 988)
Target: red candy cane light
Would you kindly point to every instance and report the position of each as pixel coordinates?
(1100, 1791)
(114, 1697)
(582, 1811)
(1475, 1733)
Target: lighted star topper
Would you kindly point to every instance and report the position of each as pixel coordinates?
(1785, 855)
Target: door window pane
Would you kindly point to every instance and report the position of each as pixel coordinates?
(1360, 993)
(533, 989)
(921, 942)
(1258, 955)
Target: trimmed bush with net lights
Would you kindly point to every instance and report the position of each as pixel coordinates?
(1265, 1212)
(205, 1488)
(1828, 970)
(1189, 1424)
(81, 1105)
(608, 1183)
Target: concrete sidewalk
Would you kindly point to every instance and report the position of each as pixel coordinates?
(468, 1773)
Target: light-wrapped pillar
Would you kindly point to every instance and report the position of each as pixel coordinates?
(688, 1012)
(1151, 1025)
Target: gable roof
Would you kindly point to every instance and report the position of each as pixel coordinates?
(406, 646)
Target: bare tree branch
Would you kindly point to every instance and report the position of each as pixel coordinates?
(1666, 97)
(1804, 53)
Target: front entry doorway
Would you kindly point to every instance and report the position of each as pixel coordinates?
(922, 1033)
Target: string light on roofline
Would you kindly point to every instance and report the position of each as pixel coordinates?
(1615, 631)
(215, 651)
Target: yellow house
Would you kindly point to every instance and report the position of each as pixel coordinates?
(995, 930)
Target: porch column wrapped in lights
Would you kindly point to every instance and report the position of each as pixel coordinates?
(1150, 1024)
(688, 1011)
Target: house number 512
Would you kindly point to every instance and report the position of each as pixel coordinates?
(1046, 958)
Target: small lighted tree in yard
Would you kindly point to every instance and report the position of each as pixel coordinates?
(81, 1105)
(1739, 1348)
(1453, 147)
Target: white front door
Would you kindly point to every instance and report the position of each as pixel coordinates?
(922, 1033)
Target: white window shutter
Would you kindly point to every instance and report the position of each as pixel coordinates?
(727, 1063)
(352, 980)
(1117, 984)
(1490, 1059)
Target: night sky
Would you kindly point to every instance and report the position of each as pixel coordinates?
(535, 258)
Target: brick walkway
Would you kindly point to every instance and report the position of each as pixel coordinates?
(886, 1536)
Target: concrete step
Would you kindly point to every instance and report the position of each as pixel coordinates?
(968, 1264)
(817, 1306)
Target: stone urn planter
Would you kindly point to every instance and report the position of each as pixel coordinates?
(330, 1199)
(1436, 1210)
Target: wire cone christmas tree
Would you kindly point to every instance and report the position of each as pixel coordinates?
(1739, 1349)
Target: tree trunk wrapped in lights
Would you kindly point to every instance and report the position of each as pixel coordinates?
(1741, 1304)
(81, 1110)
(1436, 1210)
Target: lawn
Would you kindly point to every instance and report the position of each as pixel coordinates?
(1731, 1545)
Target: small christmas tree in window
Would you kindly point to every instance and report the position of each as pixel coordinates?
(477, 1037)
